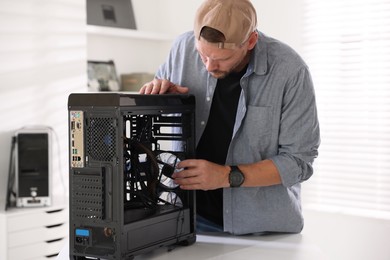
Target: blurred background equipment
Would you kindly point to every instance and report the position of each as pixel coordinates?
(112, 13)
(134, 81)
(30, 175)
(102, 76)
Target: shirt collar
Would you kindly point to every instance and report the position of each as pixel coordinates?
(259, 59)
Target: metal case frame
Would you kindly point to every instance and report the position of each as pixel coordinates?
(116, 144)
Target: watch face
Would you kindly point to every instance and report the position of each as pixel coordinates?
(236, 178)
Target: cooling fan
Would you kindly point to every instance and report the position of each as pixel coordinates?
(168, 190)
(150, 186)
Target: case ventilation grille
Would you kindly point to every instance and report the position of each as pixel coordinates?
(88, 201)
(101, 139)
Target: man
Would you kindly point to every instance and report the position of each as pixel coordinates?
(256, 120)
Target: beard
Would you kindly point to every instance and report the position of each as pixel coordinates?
(218, 74)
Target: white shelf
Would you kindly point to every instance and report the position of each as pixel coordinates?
(127, 33)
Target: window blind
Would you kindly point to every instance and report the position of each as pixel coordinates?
(347, 47)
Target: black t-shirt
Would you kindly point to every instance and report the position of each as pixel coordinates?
(214, 143)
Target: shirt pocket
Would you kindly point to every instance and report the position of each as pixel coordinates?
(257, 122)
(254, 136)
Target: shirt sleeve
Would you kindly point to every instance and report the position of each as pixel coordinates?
(174, 59)
(299, 136)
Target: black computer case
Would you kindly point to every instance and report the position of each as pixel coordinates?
(123, 149)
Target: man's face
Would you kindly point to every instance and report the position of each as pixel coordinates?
(221, 62)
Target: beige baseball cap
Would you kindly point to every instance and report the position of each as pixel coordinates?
(236, 19)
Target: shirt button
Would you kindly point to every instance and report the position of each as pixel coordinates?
(202, 122)
(208, 99)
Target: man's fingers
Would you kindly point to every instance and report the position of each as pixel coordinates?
(162, 86)
(165, 86)
(147, 88)
(182, 90)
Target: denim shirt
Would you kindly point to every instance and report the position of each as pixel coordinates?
(276, 119)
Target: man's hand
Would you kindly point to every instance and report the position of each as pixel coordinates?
(201, 175)
(162, 86)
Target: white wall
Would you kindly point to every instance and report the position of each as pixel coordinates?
(43, 59)
(163, 20)
(280, 19)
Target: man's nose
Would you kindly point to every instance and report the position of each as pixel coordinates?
(211, 65)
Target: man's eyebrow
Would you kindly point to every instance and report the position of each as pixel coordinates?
(222, 59)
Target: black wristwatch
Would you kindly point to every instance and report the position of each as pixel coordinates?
(236, 177)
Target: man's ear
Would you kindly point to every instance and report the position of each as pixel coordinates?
(252, 40)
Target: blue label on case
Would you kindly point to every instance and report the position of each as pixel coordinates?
(82, 232)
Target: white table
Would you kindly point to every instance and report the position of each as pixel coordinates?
(222, 246)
